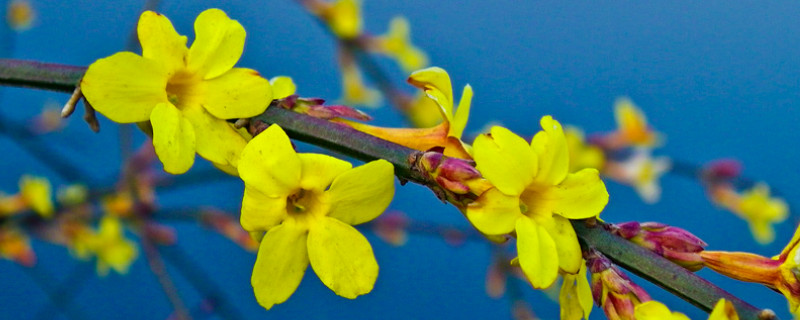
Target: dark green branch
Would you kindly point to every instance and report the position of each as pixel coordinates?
(365, 147)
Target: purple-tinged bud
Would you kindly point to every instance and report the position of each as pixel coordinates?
(454, 175)
(612, 289)
(722, 169)
(673, 243)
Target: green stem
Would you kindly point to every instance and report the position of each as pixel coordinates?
(365, 147)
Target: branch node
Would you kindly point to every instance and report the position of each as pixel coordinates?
(90, 116)
(69, 107)
(767, 314)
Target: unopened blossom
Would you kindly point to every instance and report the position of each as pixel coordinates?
(305, 205)
(435, 82)
(781, 272)
(673, 243)
(534, 196)
(186, 94)
(612, 289)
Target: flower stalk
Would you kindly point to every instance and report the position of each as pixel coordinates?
(351, 142)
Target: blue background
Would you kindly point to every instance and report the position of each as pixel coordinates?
(719, 78)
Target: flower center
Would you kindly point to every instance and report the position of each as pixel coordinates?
(304, 203)
(535, 201)
(182, 88)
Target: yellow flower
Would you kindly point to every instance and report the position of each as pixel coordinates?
(575, 297)
(307, 203)
(437, 86)
(396, 43)
(632, 125)
(534, 196)
(109, 244)
(761, 211)
(581, 154)
(642, 171)
(36, 193)
(355, 91)
(20, 15)
(186, 94)
(342, 16)
(654, 310)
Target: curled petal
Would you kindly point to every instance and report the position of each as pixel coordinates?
(160, 42)
(538, 256)
(462, 114)
(342, 258)
(173, 138)
(269, 163)
(319, 170)
(494, 213)
(281, 263)
(550, 146)
(217, 140)
(238, 93)
(505, 159)
(125, 87)
(218, 46)
(436, 83)
(363, 193)
(654, 310)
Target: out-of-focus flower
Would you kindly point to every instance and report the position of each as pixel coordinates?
(437, 86)
(396, 43)
(108, 244)
(423, 112)
(632, 129)
(307, 203)
(641, 171)
(34, 194)
(16, 246)
(342, 16)
(612, 289)
(781, 272)
(20, 15)
(534, 195)
(575, 297)
(186, 94)
(654, 310)
(354, 90)
(581, 154)
(755, 206)
(72, 195)
(391, 227)
(675, 244)
(49, 119)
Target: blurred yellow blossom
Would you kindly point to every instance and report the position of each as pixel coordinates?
(108, 244)
(16, 246)
(34, 194)
(20, 15)
(355, 91)
(396, 43)
(581, 154)
(755, 206)
(534, 195)
(185, 93)
(642, 171)
(342, 16)
(306, 204)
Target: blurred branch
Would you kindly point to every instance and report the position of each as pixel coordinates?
(61, 295)
(362, 146)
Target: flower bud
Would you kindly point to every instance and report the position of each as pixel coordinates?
(673, 243)
(612, 289)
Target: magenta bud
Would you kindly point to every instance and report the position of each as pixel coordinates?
(723, 169)
(612, 289)
(676, 244)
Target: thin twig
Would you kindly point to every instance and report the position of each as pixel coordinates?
(158, 269)
(61, 295)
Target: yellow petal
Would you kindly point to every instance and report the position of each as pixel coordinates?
(363, 193)
(218, 46)
(342, 258)
(269, 163)
(569, 250)
(344, 18)
(654, 310)
(125, 87)
(494, 213)
(261, 212)
(319, 170)
(281, 263)
(37, 193)
(462, 114)
(723, 310)
(173, 138)
(436, 83)
(505, 159)
(550, 147)
(585, 291)
(581, 195)
(238, 93)
(217, 140)
(538, 256)
(160, 42)
(282, 87)
(575, 296)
